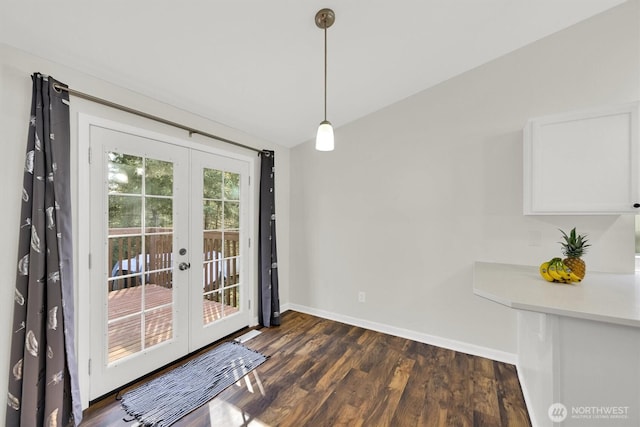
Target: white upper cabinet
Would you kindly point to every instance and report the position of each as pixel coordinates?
(582, 163)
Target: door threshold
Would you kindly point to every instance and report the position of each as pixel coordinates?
(246, 337)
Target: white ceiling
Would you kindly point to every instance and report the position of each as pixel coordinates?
(257, 65)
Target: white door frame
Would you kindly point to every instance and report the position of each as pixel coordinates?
(83, 297)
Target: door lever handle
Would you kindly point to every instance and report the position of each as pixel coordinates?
(184, 266)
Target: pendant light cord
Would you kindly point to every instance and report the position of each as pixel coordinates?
(325, 70)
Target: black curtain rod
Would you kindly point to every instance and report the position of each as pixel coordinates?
(191, 130)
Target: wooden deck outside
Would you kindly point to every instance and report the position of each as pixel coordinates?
(125, 336)
(220, 253)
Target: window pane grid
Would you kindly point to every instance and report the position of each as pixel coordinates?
(140, 253)
(221, 221)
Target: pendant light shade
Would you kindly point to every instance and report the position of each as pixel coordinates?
(324, 138)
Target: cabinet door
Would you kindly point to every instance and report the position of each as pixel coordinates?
(582, 163)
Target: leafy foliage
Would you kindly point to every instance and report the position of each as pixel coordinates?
(138, 184)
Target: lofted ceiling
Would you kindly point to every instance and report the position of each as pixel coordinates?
(257, 65)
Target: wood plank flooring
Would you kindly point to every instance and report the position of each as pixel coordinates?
(325, 373)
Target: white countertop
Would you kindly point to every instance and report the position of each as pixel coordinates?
(604, 297)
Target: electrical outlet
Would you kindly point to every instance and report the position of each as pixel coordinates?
(362, 297)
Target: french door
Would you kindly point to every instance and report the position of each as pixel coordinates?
(169, 251)
(219, 220)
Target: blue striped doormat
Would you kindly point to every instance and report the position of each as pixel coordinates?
(164, 400)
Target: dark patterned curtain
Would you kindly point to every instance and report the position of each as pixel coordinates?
(269, 307)
(43, 381)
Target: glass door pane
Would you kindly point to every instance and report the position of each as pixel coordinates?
(221, 249)
(140, 254)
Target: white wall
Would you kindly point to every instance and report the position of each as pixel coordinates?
(416, 192)
(15, 89)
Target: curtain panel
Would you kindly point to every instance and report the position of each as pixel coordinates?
(43, 380)
(268, 290)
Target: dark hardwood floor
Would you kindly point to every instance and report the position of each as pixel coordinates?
(325, 373)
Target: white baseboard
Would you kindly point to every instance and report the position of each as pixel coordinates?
(476, 350)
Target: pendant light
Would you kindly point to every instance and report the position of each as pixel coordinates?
(324, 138)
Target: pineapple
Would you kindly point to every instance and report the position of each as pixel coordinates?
(573, 247)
